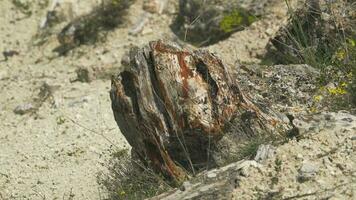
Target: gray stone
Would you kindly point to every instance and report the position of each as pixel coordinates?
(307, 171)
(24, 108)
(264, 152)
(244, 168)
(4, 74)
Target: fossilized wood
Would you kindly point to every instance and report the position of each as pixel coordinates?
(214, 184)
(173, 105)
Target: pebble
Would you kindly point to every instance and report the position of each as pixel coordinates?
(307, 171)
(154, 6)
(185, 186)
(264, 152)
(83, 75)
(4, 74)
(140, 24)
(245, 167)
(211, 175)
(24, 108)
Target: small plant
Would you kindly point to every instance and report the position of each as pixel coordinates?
(249, 150)
(60, 120)
(237, 19)
(94, 26)
(322, 37)
(352, 87)
(23, 5)
(277, 168)
(131, 179)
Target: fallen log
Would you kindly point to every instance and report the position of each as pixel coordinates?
(173, 105)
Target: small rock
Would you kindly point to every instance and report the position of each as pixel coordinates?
(307, 171)
(4, 75)
(83, 75)
(58, 11)
(10, 53)
(79, 102)
(147, 31)
(264, 152)
(269, 31)
(140, 24)
(325, 16)
(211, 174)
(154, 6)
(245, 167)
(185, 186)
(24, 108)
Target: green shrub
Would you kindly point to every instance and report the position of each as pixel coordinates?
(322, 35)
(235, 20)
(130, 179)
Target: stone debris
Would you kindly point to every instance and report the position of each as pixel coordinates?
(245, 167)
(307, 171)
(85, 75)
(215, 184)
(291, 86)
(10, 53)
(57, 11)
(139, 26)
(24, 108)
(264, 152)
(4, 74)
(155, 6)
(45, 93)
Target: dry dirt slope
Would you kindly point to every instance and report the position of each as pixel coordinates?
(46, 156)
(57, 152)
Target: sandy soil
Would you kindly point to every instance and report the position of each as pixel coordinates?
(57, 152)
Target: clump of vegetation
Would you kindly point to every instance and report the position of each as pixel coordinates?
(250, 147)
(236, 19)
(26, 6)
(23, 5)
(86, 29)
(203, 23)
(352, 86)
(130, 179)
(247, 147)
(323, 36)
(341, 92)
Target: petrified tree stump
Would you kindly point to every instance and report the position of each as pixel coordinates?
(172, 105)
